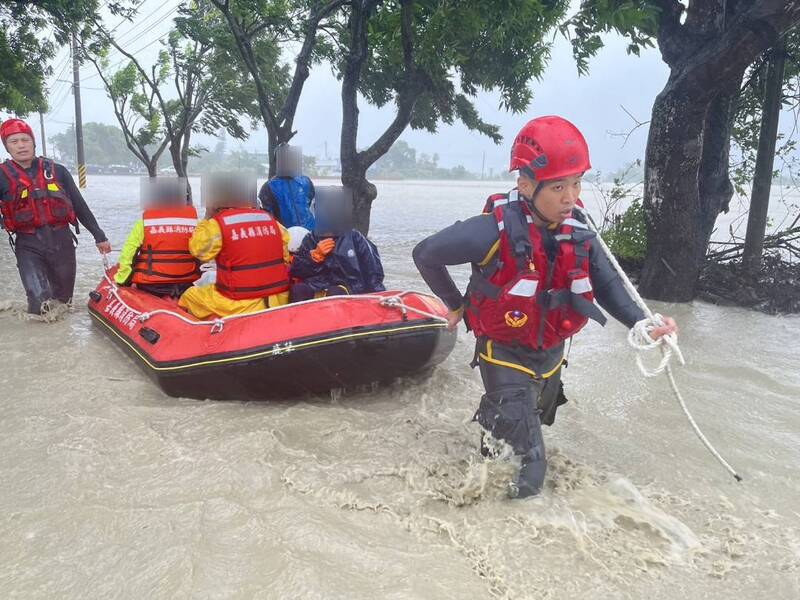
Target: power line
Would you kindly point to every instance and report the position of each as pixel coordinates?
(141, 23)
(61, 97)
(125, 20)
(158, 39)
(137, 37)
(141, 34)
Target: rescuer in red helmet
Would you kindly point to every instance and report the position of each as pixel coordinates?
(536, 273)
(38, 202)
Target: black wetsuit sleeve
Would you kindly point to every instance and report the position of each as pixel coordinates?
(468, 241)
(609, 290)
(82, 210)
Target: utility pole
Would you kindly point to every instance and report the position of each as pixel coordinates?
(76, 90)
(483, 164)
(44, 139)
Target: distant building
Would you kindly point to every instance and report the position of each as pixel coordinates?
(328, 166)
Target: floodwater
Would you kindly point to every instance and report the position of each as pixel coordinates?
(110, 489)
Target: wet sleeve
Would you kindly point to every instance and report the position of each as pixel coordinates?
(206, 241)
(369, 261)
(472, 241)
(128, 253)
(82, 210)
(609, 290)
(267, 200)
(303, 266)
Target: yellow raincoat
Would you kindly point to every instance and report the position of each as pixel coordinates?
(206, 301)
(128, 253)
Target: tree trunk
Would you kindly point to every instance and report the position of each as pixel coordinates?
(355, 163)
(687, 186)
(272, 145)
(671, 197)
(686, 180)
(716, 189)
(762, 180)
(354, 176)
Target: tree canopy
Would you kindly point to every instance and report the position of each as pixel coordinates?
(30, 34)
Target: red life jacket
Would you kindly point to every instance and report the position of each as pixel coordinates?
(164, 254)
(33, 203)
(524, 298)
(250, 264)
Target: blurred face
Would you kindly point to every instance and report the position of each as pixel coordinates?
(556, 199)
(21, 147)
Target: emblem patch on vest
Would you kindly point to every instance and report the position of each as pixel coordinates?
(516, 318)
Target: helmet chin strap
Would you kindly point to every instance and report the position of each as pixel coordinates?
(532, 204)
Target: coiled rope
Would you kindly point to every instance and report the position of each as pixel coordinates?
(639, 338)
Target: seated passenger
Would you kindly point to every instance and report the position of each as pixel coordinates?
(250, 248)
(288, 195)
(156, 257)
(335, 259)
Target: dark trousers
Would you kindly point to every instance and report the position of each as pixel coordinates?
(545, 385)
(46, 263)
(302, 291)
(165, 290)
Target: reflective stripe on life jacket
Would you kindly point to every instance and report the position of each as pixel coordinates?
(526, 297)
(250, 264)
(164, 254)
(34, 202)
(496, 200)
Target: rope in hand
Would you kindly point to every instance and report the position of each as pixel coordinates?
(639, 338)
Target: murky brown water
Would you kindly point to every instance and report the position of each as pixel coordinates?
(110, 489)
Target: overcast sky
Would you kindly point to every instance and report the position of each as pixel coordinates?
(594, 102)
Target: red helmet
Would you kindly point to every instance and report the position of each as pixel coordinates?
(549, 148)
(14, 126)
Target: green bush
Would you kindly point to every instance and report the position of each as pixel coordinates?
(626, 235)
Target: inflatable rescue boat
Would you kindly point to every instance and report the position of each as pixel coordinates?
(307, 347)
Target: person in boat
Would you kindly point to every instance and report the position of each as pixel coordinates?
(536, 272)
(250, 249)
(296, 236)
(38, 202)
(155, 257)
(335, 259)
(288, 196)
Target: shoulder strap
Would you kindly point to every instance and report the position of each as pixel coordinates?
(515, 225)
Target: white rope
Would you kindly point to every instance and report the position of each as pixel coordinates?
(639, 338)
(397, 302)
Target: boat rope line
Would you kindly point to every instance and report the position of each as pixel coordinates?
(218, 324)
(639, 339)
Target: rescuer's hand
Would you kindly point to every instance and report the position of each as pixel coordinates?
(104, 247)
(453, 318)
(669, 326)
